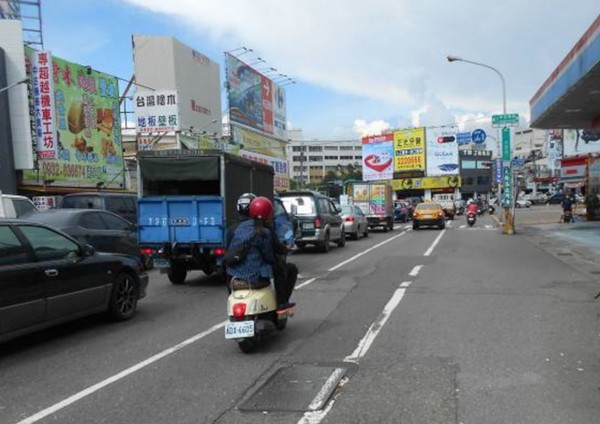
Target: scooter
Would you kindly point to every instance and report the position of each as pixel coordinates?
(253, 314)
(567, 217)
(252, 311)
(471, 218)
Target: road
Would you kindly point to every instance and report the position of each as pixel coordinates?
(464, 325)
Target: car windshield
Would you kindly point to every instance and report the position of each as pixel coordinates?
(428, 207)
(347, 210)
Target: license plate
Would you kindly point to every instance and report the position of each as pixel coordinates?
(241, 329)
(308, 226)
(161, 263)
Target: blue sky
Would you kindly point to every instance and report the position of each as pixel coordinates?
(359, 66)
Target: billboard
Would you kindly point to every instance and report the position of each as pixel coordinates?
(165, 64)
(409, 152)
(87, 130)
(442, 153)
(581, 142)
(378, 157)
(43, 104)
(156, 111)
(426, 183)
(255, 100)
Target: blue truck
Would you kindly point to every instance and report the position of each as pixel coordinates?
(187, 201)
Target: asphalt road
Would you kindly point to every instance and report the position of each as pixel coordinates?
(464, 325)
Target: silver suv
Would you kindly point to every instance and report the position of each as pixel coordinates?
(12, 206)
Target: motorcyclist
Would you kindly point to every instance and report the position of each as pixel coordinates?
(567, 205)
(472, 207)
(284, 274)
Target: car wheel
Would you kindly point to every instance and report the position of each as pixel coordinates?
(177, 275)
(415, 226)
(124, 297)
(300, 245)
(518, 206)
(247, 345)
(342, 241)
(354, 236)
(442, 225)
(366, 233)
(147, 262)
(325, 245)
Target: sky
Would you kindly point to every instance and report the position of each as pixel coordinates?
(359, 67)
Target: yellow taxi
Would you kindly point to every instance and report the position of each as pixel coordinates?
(428, 214)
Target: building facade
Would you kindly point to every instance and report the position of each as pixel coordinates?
(475, 172)
(310, 161)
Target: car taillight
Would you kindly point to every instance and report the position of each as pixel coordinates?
(416, 213)
(218, 251)
(239, 310)
(317, 222)
(147, 251)
(440, 213)
(349, 219)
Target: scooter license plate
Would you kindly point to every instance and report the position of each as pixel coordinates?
(161, 263)
(238, 330)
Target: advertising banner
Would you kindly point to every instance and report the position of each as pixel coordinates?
(281, 179)
(378, 161)
(259, 143)
(581, 142)
(156, 111)
(498, 170)
(442, 153)
(43, 104)
(255, 100)
(426, 183)
(409, 152)
(88, 140)
(377, 206)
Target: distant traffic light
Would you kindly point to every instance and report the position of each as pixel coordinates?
(446, 139)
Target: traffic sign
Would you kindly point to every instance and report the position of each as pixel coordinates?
(463, 138)
(478, 136)
(506, 120)
(506, 144)
(507, 184)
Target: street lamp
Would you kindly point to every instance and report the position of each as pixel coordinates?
(509, 217)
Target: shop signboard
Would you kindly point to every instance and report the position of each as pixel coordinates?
(426, 183)
(156, 111)
(442, 153)
(581, 142)
(87, 125)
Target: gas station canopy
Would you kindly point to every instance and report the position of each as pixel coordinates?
(570, 97)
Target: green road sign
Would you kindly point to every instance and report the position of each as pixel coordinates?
(506, 144)
(507, 184)
(508, 120)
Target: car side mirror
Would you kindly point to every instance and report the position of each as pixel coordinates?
(88, 250)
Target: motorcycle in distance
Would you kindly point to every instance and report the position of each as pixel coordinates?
(567, 217)
(253, 314)
(471, 218)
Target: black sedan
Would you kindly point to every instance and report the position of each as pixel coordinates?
(105, 231)
(47, 277)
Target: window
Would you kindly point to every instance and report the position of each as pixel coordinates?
(115, 223)
(345, 157)
(12, 251)
(331, 158)
(49, 245)
(331, 148)
(305, 205)
(82, 202)
(358, 157)
(358, 211)
(92, 221)
(296, 149)
(346, 148)
(315, 158)
(324, 206)
(315, 149)
(298, 158)
(115, 204)
(23, 206)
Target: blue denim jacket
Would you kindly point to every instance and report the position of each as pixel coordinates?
(260, 256)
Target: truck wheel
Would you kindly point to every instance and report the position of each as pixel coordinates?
(342, 241)
(177, 275)
(124, 297)
(391, 225)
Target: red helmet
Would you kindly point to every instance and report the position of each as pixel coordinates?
(261, 208)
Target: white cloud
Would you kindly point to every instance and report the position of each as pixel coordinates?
(393, 51)
(364, 128)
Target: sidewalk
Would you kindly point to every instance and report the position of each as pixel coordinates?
(577, 244)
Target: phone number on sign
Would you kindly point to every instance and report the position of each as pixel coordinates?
(69, 170)
(412, 161)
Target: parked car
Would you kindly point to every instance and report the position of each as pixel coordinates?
(537, 199)
(355, 222)
(556, 198)
(402, 211)
(319, 220)
(105, 231)
(48, 277)
(429, 214)
(522, 203)
(13, 206)
(124, 205)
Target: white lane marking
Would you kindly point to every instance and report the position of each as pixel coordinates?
(449, 224)
(463, 226)
(306, 283)
(407, 227)
(341, 264)
(315, 417)
(332, 381)
(488, 227)
(415, 271)
(435, 242)
(92, 389)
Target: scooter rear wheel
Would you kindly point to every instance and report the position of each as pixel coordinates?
(247, 345)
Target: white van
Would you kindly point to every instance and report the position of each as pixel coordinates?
(12, 206)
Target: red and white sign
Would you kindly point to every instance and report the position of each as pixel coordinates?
(572, 169)
(43, 104)
(370, 139)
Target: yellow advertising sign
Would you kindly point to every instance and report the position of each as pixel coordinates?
(409, 150)
(426, 183)
(258, 143)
